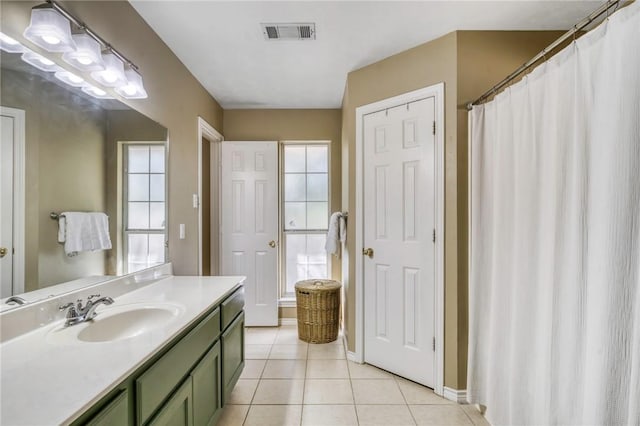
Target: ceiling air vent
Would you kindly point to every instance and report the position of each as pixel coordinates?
(289, 31)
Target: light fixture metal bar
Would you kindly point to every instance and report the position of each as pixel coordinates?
(91, 33)
(604, 8)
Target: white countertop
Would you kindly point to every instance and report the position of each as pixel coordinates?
(44, 383)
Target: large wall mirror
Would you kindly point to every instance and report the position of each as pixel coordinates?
(82, 154)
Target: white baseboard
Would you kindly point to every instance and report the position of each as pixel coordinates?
(288, 321)
(459, 396)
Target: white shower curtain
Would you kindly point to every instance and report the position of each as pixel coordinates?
(554, 301)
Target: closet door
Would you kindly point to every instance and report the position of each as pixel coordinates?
(249, 228)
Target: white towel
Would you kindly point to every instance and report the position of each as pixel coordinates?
(84, 232)
(336, 234)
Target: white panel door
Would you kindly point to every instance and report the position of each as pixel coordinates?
(249, 228)
(399, 221)
(6, 206)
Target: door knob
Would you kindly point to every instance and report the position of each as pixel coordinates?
(3, 252)
(272, 244)
(368, 252)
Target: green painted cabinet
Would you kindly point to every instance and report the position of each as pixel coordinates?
(116, 413)
(232, 355)
(207, 386)
(178, 411)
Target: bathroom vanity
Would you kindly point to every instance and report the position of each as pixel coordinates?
(168, 351)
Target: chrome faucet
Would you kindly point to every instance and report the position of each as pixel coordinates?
(76, 313)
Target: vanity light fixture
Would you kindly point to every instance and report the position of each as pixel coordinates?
(133, 88)
(10, 45)
(113, 73)
(87, 55)
(39, 61)
(69, 78)
(95, 92)
(49, 29)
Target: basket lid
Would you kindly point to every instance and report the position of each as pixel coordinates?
(318, 284)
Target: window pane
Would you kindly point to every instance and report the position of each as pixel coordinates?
(156, 218)
(295, 260)
(315, 249)
(156, 249)
(138, 159)
(157, 187)
(138, 188)
(294, 187)
(137, 246)
(157, 159)
(317, 215)
(138, 216)
(317, 271)
(294, 158)
(317, 159)
(317, 187)
(294, 215)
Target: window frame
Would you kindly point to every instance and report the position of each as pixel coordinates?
(285, 299)
(123, 198)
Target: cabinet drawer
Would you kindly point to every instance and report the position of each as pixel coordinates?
(116, 413)
(155, 384)
(232, 306)
(232, 356)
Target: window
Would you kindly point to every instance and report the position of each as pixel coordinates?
(144, 206)
(305, 213)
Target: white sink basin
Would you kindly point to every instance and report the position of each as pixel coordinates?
(117, 323)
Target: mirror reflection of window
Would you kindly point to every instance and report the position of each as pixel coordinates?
(305, 213)
(144, 194)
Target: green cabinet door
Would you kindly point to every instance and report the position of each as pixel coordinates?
(232, 355)
(178, 411)
(206, 379)
(116, 413)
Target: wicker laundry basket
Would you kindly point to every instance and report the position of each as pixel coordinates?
(318, 303)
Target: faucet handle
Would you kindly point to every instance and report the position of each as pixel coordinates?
(92, 296)
(65, 306)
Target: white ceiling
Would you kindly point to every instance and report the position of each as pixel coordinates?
(221, 42)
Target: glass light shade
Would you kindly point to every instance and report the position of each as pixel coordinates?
(113, 73)
(133, 88)
(69, 78)
(95, 92)
(87, 55)
(39, 61)
(10, 45)
(50, 30)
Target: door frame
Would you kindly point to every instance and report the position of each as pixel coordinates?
(437, 91)
(207, 131)
(19, 193)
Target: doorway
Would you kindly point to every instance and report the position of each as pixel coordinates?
(400, 198)
(209, 141)
(12, 197)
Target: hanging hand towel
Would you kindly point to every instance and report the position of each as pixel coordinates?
(336, 234)
(86, 232)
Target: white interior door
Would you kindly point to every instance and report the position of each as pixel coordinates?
(399, 222)
(6, 209)
(249, 231)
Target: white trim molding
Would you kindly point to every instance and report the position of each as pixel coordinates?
(19, 194)
(436, 91)
(351, 356)
(288, 321)
(207, 131)
(459, 396)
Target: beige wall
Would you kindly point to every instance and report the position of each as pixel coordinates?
(291, 124)
(65, 141)
(468, 62)
(175, 100)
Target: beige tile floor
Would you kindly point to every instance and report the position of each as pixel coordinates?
(288, 382)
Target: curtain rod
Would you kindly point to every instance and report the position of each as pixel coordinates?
(577, 27)
(55, 5)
